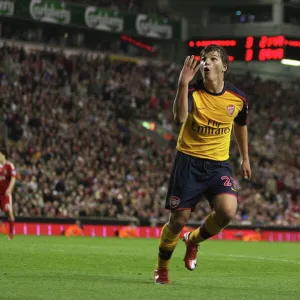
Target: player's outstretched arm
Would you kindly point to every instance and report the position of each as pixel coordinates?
(180, 107)
(241, 136)
(11, 186)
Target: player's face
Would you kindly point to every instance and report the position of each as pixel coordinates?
(211, 66)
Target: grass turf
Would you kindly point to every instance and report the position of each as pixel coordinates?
(62, 268)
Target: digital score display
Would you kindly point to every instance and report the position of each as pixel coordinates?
(250, 48)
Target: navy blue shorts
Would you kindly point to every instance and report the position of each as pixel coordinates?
(193, 178)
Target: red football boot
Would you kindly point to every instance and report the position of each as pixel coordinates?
(161, 276)
(190, 259)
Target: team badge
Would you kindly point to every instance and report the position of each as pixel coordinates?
(174, 201)
(230, 109)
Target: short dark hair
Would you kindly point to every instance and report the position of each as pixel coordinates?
(222, 51)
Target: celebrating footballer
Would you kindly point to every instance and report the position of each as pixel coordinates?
(208, 109)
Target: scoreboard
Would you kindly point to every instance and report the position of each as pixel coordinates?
(251, 48)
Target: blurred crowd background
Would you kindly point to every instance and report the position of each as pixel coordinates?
(74, 136)
(79, 152)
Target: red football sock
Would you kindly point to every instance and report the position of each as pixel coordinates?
(11, 226)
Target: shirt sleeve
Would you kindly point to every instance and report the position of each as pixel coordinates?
(13, 171)
(242, 117)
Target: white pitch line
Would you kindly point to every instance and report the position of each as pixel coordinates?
(57, 248)
(255, 258)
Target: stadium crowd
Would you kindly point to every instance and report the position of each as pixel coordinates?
(78, 151)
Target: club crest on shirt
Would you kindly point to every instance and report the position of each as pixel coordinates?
(174, 201)
(230, 109)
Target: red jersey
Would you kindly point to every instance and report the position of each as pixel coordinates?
(7, 171)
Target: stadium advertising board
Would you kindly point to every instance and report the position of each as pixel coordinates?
(103, 19)
(54, 229)
(154, 27)
(50, 11)
(7, 8)
(60, 12)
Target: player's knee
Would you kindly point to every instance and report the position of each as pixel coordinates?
(177, 225)
(178, 221)
(225, 215)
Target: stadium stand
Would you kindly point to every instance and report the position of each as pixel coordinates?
(125, 5)
(72, 138)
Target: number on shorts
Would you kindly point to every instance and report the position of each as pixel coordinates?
(233, 183)
(227, 181)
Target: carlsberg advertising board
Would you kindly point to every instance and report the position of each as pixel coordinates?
(7, 8)
(103, 19)
(95, 18)
(153, 27)
(50, 11)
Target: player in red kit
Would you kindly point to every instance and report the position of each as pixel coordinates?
(7, 181)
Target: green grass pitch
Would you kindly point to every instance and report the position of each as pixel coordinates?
(64, 268)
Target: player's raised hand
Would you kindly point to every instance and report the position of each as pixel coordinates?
(190, 68)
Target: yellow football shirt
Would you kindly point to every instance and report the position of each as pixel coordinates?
(207, 129)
